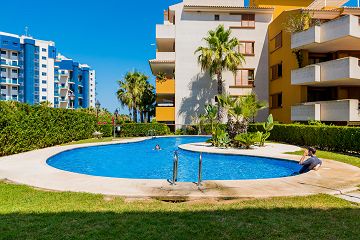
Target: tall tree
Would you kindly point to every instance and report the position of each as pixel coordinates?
(131, 90)
(220, 54)
(147, 102)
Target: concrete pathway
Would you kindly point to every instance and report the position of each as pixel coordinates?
(30, 168)
(351, 196)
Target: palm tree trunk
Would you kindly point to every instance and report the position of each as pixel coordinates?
(220, 92)
(142, 116)
(148, 116)
(134, 114)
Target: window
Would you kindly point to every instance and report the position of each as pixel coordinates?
(277, 41)
(43, 74)
(14, 71)
(43, 89)
(217, 17)
(43, 65)
(43, 58)
(248, 20)
(276, 71)
(14, 54)
(5, 42)
(3, 69)
(3, 52)
(276, 100)
(247, 48)
(14, 88)
(43, 50)
(43, 97)
(43, 81)
(3, 87)
(245, 77)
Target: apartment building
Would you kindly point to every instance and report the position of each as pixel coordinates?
(186, 89)
(75, 84)
(27, 69)
(30, 74)
(325, 86)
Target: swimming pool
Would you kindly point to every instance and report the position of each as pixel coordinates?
(139, 160)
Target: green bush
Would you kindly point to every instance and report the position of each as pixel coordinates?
(330, 138)
(143, 129)
(24, 127)
(248, 139)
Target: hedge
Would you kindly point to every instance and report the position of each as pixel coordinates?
(143, 129)
(330, 138)
(24, 127)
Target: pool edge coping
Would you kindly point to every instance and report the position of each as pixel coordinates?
(9, 169)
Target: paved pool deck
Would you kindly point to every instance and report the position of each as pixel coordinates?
(30, 168)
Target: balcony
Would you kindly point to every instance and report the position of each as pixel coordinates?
(342, 33)
(328, 111)
(165, 56)
(165, 37)
(165, 31)
(165, 114)
(165, 87)
(9, 63)
(343, 71)
(9, 98)
(164, 62)
(9, 81)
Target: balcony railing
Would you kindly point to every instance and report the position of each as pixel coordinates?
(9, 98)
(166, 31)
(9, 81)
(346, 110)
(339, 29)
(343, 71)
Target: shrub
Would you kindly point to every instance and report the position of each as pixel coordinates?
(248, 139)
(220, 138)
(143, 129)
(24, 127)
(330, 138)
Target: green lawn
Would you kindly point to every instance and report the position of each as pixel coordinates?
(93, 140)
(353, 160)
(26, 213)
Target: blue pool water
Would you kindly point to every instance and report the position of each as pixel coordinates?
(139, 160)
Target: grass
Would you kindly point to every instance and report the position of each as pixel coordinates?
(93, 140)
(26, 213)
(353, 160)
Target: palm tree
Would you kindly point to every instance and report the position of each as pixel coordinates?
(219, 55)
(147, 102)
(211, 112)
(242, 110)
(131, 90)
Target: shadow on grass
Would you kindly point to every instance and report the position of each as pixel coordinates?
(248, 223)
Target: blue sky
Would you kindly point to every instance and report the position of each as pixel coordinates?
(112, 36)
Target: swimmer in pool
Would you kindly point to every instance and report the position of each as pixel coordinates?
(157, 147)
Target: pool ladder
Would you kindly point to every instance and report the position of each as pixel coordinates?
(176, 169)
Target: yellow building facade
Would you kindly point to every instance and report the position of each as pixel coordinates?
(322, 97)
(323, 86)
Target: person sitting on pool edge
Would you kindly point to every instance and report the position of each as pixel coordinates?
(312, 163)
(157, 147)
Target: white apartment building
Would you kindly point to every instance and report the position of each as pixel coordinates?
(186, 91)
(27, 69)
(31, 72)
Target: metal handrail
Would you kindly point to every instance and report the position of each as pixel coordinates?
(200, 171)
(175, 168)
